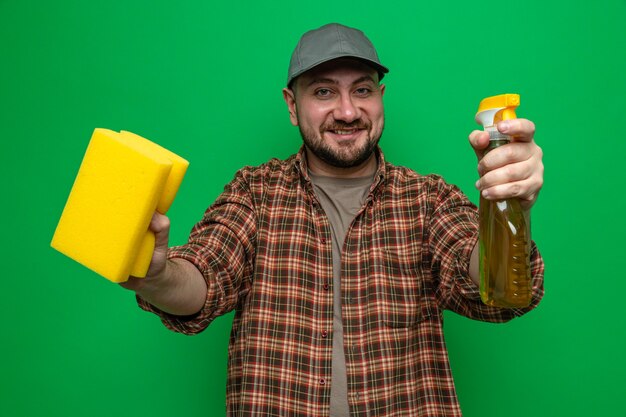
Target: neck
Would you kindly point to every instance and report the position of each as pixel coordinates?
(319, 167)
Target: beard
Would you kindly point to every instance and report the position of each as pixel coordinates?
(348, 155)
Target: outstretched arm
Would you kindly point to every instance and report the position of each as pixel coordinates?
(175, 286)
(514, 170)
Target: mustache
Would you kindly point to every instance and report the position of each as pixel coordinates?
(340, 125)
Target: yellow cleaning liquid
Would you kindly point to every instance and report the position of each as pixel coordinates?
(504, 254)
(504, 236)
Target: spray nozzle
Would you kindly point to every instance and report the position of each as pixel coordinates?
(492, 110)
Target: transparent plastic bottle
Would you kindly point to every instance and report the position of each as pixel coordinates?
(504, 234)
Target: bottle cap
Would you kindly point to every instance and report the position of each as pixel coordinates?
(492, 110)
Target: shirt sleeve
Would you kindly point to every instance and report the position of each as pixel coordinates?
(222, 247)
(453, 235)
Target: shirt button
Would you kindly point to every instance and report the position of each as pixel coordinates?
(322, 381)
(324, 333)
(323, 240)
(326, 286)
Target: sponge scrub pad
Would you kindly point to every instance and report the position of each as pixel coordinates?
(122, 181)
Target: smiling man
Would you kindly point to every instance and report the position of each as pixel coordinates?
(339, 110)
(338, 263)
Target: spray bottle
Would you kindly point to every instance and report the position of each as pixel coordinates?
(504, 236)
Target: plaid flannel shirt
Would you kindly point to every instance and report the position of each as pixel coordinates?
(264, 248)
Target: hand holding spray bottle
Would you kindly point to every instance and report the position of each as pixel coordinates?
(504, 236)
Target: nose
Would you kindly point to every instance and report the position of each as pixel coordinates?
(346, 110)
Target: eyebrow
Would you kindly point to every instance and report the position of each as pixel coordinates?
(331, 81)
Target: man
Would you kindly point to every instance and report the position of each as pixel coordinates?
(339, 264)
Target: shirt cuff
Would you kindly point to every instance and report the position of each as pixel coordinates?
(191, 324)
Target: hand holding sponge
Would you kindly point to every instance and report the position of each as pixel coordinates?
(122, 181)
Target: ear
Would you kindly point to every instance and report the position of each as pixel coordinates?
(382, 90)
(290, 100)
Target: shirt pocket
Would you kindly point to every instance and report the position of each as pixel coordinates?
(398, 283)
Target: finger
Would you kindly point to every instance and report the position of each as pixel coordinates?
(479, 140)
(526, 190)
(510, 153)
(529, 170)
(526, 203)
(509, 173)
(520, 129)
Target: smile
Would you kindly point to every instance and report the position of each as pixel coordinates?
(344, 134)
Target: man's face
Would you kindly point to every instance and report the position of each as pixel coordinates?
(339, 110)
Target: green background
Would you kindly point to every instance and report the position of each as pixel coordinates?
(204, 79)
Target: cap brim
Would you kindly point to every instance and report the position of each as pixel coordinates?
(381, 69)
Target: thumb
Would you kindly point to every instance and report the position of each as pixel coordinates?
(160, 225)
(479, 140)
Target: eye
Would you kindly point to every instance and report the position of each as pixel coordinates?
(323, 92)
(363, 91)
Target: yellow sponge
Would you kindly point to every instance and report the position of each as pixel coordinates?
(122, 181)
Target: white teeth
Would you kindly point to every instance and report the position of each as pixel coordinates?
(343, 132)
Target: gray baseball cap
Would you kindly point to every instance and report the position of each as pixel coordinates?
(330, 42)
